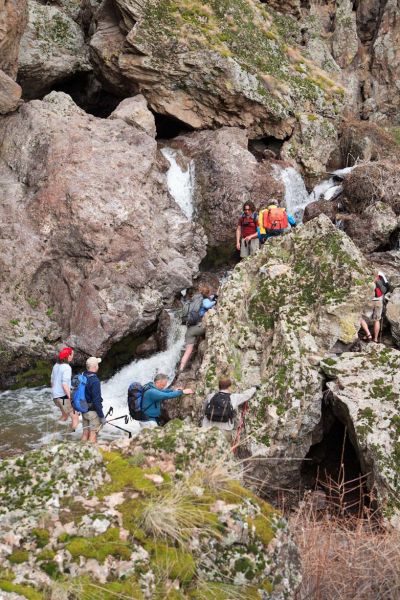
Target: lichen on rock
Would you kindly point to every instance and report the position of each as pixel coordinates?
(165, 515)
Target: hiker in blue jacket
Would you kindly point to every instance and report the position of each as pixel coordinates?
(94, 418)
(155, 394)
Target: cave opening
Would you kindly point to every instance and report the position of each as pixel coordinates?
(89, 94)
(168, 127)
(266, 148)
(332, 468)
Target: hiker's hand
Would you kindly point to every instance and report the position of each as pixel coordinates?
(187, 391)
(103, 421)
(238, 246)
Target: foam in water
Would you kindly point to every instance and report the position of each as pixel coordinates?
(296, 195)
(114, 391)
(28, 417)
(180, 181)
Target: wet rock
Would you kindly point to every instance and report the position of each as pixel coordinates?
(147, 348)
(365, 388)
(202, 71)
(134, 111)
(290, 304)
(52, 49)
(162, 509)
(96, 272)
(326, 207)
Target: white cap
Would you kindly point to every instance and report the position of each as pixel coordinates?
(92, 361)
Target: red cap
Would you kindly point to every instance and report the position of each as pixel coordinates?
(65, 353)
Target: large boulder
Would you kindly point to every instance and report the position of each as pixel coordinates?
(162, 517)
(52, 49)
(81, 205)
(226, 175)
(13, 18)
(364, 389)
(279, 313)
(211, 64)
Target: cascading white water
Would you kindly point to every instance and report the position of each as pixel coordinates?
(114, 391)
(330, 188)
(180, 181)
(296, 195)
(30, 419)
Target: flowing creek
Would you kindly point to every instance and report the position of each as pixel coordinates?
(30, 419)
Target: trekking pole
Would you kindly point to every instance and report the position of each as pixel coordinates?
(117, 418)
(121, 428)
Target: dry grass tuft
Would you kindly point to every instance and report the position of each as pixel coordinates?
(345, 559)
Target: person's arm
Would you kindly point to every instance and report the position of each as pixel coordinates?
(96, 398)
(207, 303)
(167, 394)
(238, 236)
(238, 399)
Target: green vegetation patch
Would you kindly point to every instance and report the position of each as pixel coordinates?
(23, 590)
(124, 476)
(41, 536)
(18, 556)
(101, 546)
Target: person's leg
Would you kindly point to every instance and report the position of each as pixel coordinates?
(95, 425)
(85, 430)
(254, 246)
(244, 249)
(365, 328)
(186, 355)
(59, 403)
(377, 327)
(74, 420)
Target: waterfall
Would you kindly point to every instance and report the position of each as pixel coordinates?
(180, 180)
(296, 195)
(331, 188)
(114, 391)
(30, 419)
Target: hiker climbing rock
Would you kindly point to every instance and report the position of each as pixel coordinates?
(153, 394)
(373, 310)
(61, 386)
(273, 221)
(246, 233)
(219, 407)
(192, 315)
(94, 418)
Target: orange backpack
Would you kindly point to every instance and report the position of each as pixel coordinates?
(275, 219)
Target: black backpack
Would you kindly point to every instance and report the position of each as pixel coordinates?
(219, 409)
(135, 398)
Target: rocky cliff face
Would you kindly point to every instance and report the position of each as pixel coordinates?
(161, 517)
(92, 241)
(296, 303)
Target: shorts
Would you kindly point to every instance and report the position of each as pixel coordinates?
(193, 332)
(64, 403)
(374, 311)
(91, 420)
(249, 248)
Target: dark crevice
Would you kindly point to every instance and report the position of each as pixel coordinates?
(266, 148)
(169, 127)
(88, 93)
(125, 351)
(333, 466)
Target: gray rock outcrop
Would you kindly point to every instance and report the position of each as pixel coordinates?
(291, 303)
(52, 49)
(82, 203)
(140, 520)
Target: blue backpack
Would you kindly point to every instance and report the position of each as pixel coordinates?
(79, 402)
(135, 398)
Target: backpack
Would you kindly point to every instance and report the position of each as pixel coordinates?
(135, 398)
(191, 313)
(253, 217)
(219, 409)
(275, 219)
(382, 284)
(78, 400)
